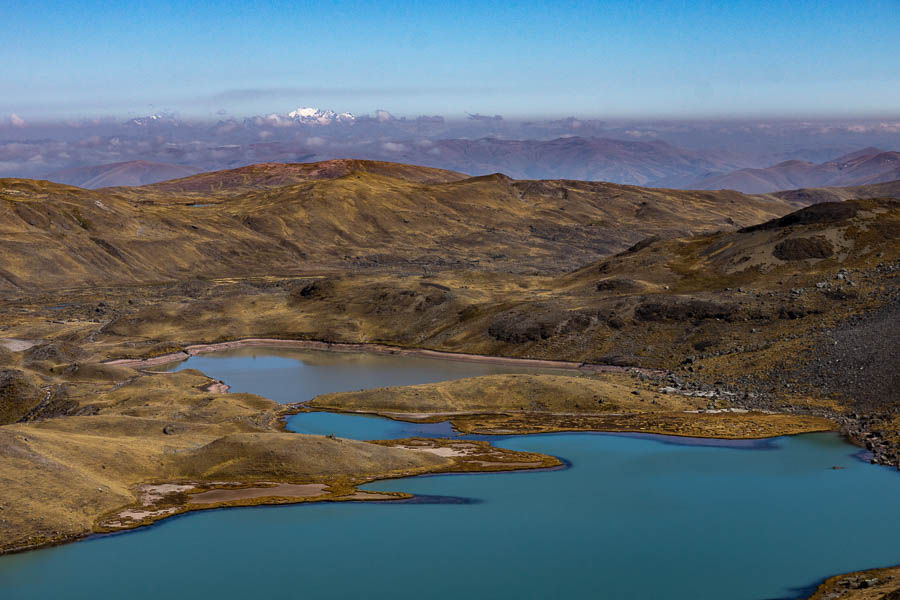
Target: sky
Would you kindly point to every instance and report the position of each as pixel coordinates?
(527, 59)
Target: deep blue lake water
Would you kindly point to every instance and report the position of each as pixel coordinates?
(633, 517)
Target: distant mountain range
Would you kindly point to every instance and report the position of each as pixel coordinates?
(864, 167)
(131, 173)
(645, 163)
(317, 116)
(654, 163)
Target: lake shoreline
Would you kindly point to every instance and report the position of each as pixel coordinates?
(350, 348)
(550, 429)
(195, 349)
(467, 457)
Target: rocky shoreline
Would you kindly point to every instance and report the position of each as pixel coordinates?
(861, 430)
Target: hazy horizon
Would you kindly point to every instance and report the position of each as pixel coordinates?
(662, 93)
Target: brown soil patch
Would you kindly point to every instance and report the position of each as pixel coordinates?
(281, 490)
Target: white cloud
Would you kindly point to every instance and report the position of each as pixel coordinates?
(393, 147)
(16, 121)
(316, 141)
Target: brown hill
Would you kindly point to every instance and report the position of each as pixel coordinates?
(131, 173)
(272, 175)
(859, 168)
(57, 236)
(807, 196)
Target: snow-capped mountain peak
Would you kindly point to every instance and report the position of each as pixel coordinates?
(159, 119)
(316, 116)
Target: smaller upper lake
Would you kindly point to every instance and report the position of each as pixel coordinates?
(290, 375)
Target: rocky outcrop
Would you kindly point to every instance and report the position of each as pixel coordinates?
(803, 248)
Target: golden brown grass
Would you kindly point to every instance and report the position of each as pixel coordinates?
(65, 477)
(874, 584)
(546, 403)
(271, 220)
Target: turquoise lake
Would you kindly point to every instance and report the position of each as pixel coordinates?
(631, 517)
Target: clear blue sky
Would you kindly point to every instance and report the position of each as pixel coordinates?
(519, 59)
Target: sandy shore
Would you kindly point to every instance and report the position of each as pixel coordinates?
(368, 348)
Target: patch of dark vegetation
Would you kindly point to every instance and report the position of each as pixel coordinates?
(265, 284)
(815, 247)
(808, 196)
(55, 403)
(543, 322)
(436, 286)
(517, 327)
(31, 216)
(817, 214)
(17, 396)
(887, 229)
(617, 360)
(642, 244)
(791, 313)
(292, 247)
(691, 310)
(391, 300)
(545, 189)
(615, 321)
(704, 345)
(577, 323)
(715, 247)
(257, 224)
(53, 353)
(190, 289)
(617, 284)
(82, 222)
(469, 312)
(108, 248)
(841, 294)
(310, 289)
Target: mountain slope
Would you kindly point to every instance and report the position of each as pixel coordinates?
(273, 175)
(58, 236)
(806, 196)
(135, 172)
(858, 168)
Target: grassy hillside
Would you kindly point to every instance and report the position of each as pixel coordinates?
(543, 402)
(260, 221)
(140, 449)
(274, 175)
